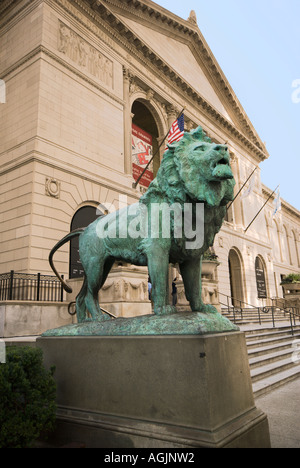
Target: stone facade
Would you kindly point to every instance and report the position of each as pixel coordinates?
(77, 74)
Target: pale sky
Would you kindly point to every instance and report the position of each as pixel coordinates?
(257, 44)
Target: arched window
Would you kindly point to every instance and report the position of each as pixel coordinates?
(261, 283)
(275, 239)
(286, 246)
(294, 250)
(82, 218)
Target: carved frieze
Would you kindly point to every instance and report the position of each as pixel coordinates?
(124, 290)
(84, 55)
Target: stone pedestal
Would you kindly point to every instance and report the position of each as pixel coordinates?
(292, 296)
(125, 292)
(155, 391)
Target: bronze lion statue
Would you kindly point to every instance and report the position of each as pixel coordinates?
(175, 221)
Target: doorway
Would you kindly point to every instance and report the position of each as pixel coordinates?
(236, 278)
(146, 131)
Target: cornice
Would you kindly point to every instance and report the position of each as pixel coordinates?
(155, 11)
(42, 158)
(6, 5)
(6, 18)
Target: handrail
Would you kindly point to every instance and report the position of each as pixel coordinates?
(265, 309)
(237, 300)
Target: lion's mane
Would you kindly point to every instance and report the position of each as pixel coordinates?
(177, 182)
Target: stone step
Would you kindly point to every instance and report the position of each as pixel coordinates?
(271, 368)
(270, 340)
(260, 333)
(252, 316)
(265, 359)
(270, 351)
(276, 380)
(270, 348)
(254, 320)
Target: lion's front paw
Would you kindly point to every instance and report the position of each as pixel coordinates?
(208, 309)
(165, 310)
(103, 317)
(98, 318)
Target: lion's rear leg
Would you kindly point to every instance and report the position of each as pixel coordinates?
(80, 303)
(98, 272)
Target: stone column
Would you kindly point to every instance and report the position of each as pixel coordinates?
(236, 207)
(127, 121)
(171, 114)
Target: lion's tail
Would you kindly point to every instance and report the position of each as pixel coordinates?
(63, 241)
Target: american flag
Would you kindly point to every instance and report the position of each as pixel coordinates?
(177, 130)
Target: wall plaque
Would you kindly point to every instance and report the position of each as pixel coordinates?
(260, 279)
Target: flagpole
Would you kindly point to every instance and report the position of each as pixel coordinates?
(241, 189)
(134, 185)
(261, 209)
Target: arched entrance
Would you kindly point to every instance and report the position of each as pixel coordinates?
(82, 218)
(145, 135)
(236, 278)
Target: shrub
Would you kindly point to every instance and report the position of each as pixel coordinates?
(210, 255)
(292, 278)
(27, 397)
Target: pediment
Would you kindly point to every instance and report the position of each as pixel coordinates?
(180, 58)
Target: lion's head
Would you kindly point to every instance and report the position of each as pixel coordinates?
(195, 169)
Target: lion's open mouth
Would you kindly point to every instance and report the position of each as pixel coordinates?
(222, 169)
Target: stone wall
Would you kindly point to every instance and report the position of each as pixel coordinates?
(31, 318)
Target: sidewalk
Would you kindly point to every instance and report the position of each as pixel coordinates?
(282, 407)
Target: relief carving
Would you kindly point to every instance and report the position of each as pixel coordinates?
(121, 290)
(52, 187)
(84, 55)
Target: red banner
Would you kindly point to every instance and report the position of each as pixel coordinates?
(142, 152)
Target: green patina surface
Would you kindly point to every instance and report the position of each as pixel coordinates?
(178, 323)
(194, 171)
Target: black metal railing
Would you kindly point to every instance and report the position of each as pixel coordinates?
(30, 287)
(277, 306)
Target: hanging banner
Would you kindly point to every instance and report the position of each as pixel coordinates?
(142, 152)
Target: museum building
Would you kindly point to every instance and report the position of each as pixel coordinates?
(92, 88)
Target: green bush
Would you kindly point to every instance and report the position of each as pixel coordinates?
(210, 255)
(27, 397)
(292, 278)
